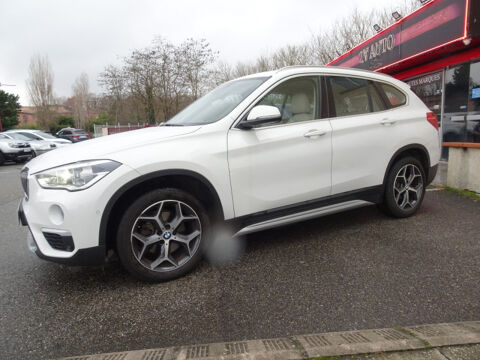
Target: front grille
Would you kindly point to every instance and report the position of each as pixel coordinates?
(59, 242)
(24, 180)
(23, 145)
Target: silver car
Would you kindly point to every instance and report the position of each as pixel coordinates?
(38, 146)
(40, 135)
(14, 150)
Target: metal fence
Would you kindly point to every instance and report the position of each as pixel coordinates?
(108, 129)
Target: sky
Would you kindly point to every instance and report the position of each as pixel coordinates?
(87, 35)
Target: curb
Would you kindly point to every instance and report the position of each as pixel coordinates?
(313, 345)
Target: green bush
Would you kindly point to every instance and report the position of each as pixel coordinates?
(102, 119)
(61, 122)
(29, 127)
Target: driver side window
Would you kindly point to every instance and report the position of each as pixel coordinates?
(297, 99)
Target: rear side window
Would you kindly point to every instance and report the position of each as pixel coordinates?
(350, 95)
(394, 96)
(378, 104)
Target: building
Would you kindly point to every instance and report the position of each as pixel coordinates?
(27, 116)
(436, 50)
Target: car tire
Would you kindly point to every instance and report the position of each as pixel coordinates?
(404, 188)
(162, 235)
(2, 158)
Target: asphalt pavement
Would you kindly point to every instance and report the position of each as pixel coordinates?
(355, 270)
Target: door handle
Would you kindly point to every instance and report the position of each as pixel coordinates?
(387, 122)
(314, 133)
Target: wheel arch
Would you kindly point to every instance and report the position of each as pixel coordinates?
(418, 151)
(186, 180)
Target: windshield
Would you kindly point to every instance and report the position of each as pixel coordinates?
(216, 104)
(45, 135)
(19, 137)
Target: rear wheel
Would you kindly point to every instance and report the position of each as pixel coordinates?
(161, 235)
(404, 188)
(2, 158)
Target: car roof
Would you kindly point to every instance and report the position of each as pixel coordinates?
(24, 130)
(326, 70)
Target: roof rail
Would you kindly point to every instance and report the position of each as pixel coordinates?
(330, 67)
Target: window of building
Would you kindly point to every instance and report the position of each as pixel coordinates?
(461, 120)
(429, 89)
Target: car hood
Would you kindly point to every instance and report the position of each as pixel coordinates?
(6, 141)
(104, 147)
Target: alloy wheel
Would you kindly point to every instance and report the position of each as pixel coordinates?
(166, 235)
(408, 187)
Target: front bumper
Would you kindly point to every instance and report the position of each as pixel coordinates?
(83, 257)
(18, 155)
(65, 225)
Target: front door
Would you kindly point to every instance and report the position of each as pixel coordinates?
(285, 163)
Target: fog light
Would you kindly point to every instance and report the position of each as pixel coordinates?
(55, 213)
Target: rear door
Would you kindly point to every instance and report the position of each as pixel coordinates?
(364, 131)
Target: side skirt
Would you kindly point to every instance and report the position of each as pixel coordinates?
(301, 216)
(307, 210)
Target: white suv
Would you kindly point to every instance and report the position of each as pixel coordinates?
(257, 152)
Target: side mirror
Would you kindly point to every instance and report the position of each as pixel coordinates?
(261, 114)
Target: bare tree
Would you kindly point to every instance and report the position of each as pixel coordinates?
(141, 77)
(195, 58)
(350, 31)
(81, 98)
(113, 81)
(40, 89)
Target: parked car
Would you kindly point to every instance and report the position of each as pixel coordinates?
(14, 150)
(39, 147)
(233, 158)
(74, 135)
(41, 135)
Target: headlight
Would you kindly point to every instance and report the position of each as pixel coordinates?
(76, 176)
(14, 145)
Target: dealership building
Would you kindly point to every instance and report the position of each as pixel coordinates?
(436, 50)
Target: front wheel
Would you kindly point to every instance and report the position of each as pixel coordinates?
(161, 235)
(404, 188)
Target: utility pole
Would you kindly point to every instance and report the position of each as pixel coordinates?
(1, 127)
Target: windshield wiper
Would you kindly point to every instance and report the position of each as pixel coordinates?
(167, 124)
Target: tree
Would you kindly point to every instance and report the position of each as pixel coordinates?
(112, 79)
(195, 58)
(81, 97)
(62, 122)
(9, 109)
(40, 89)
(158, 81)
